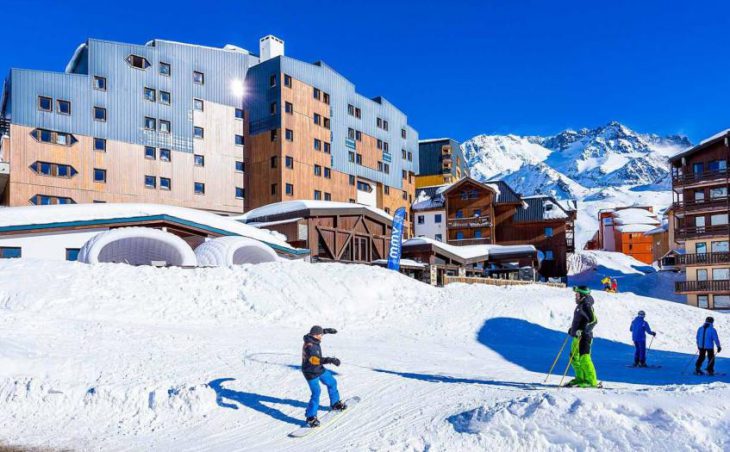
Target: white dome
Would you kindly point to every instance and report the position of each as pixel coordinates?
(233, 250)
(137, 246)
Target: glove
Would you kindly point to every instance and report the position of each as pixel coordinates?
(329, 331)
(719, 349)
(334, 361)
(653, 334)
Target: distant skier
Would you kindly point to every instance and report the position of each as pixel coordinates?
(639, 329)
(606, 284)
(315, 373)
(614, 285)
(706, 340)
(584, 319)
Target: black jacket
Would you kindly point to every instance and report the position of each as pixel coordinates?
(584, 319)
(312, 361)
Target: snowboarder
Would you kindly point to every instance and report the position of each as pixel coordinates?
(706, 340)
(315, 373)
(639, 329)
(581, 330)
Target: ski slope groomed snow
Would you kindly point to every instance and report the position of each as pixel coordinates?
(115, 357)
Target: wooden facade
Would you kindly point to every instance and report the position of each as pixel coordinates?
(469, 207)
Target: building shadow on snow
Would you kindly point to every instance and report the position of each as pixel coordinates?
(257, 402)
(534, 347)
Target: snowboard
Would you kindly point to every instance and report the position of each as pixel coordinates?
(326, 419)
(651, 366)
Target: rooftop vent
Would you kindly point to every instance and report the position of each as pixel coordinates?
(270, 47)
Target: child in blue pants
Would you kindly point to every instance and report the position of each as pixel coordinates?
(315, 373)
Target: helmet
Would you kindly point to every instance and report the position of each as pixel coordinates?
(710, 320)
(642, 313)
(583, 290)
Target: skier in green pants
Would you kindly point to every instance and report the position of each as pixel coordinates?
(584, 319)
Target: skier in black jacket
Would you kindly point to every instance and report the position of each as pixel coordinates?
(315, 373)
(584, 319)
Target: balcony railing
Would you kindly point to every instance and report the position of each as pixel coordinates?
(707, 204)
(718, 285)
(4, 126)
(469, 222)
(704, 258)
(693, 178)
(479, 241)
(702, 231)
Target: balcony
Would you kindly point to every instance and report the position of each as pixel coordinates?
(697, 178)
(461, 242)
(702, 231)
(709, 205)
(714, 286)
(469, 222)
(4, 126)
(704, 259)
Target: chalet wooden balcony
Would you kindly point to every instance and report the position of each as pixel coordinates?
(696, 178)
(703, 259)
(469, 222)
(461, 242)
(714, 286)
(712, 204)
(684, 233)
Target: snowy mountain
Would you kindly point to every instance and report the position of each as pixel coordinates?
(609, 165)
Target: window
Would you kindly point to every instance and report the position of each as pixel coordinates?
(358, 159)
(317, 94)
(351, 156)
(405, 196)
(387, 210)
(380, 166)
(165, 98)
(459, 235)
(63, 107)
(699, 196)
(272, 108)
(404, 175)
(274, 162)
(289, 162)
(478, 234)
(10, 252)
(289, 107)
(440, 237)
(239, 140)
(351, 133)
(721, 301)
(239, 113)
(549, 255)
(100, 144)
(317, 119)
(165, 69)
(351, 179)
(287, 81)
(548, 232)
(44, 200)
(403, 153)
(150, 94)
(698, 168)
(385, 147)
(274, 134)
(459, 213)
(199, 160)
(272, 80)
(198, 78)
(317, 195)
(100, 83)
(385, 125)
(350, 109)
(100, 114)
(386, 189)
(100, 175)
(165, 183)
(72, 254)
(317, 145)
(719, 219)
(403, 133)
(700, 248)
(720, 192)
(386, 168)
(380, 144)
(327, 149)
(150, 181)
(720, 247)
(240, 193)
(477, 212)
(198, 105)
(328, 196)
(289, 135)
(150, 123)
(701, 274)
(239, 166)
(48, 136)
(702, 301)
(53, 169)
(317, 170)
(198, 132)
(358, 113)
(273, 189)
(437, 218)
(199, 188)
(326, 98)
(45, 103)
(421, 219)
(165, 155)
(150, 153)
(721, 274)
(379, 123)
(165, 126)
(290, 190)
(327, 173)
(410, 156)
(326, 123)
(358, 135)
(138, 62)
(718, 166)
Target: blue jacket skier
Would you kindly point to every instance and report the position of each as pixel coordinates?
(315, 373)
(707, 339)
(639, 329)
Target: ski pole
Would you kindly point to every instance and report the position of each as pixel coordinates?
(566, 369)
(684, 371)
(550, 372)
(709, 363)
(650, 342)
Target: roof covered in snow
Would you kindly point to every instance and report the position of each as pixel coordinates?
(540, 208)
(473, 253)
(403, 263)
(13, 219)
(431, 197)
(658, 230)
(306, 208)
(636, 215)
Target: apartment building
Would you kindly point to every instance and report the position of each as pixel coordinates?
(700, 184)
(220, 129)
(622, 229)
(441, 161)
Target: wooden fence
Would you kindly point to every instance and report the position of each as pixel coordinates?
(497, 282)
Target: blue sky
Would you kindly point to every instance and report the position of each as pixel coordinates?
(457, 68)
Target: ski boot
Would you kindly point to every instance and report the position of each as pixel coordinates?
(711, 373)
(699, 372)
(642, 365)
(339, 406)
(573, 382)
(313, 422)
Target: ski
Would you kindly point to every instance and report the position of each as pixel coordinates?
(327, 419)
(643, 367)
(716, 374)
(600, 386)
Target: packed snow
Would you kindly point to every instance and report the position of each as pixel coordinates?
(115, 357)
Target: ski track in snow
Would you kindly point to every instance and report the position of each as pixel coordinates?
(114, 357)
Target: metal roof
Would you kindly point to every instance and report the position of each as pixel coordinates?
(535, 210)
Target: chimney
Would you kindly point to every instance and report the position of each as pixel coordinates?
(270, 47)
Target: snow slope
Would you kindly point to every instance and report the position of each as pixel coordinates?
(114, 357)
(603, 167)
